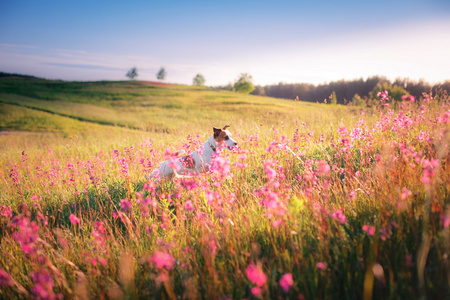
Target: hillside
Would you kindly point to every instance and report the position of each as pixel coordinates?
(138, 105)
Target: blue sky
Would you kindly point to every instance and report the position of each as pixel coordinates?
(290, 41)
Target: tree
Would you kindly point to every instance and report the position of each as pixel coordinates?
(132, 73)
(161, 74)
(357, 100)
(199, 80)
(333, 98)
(244, 84)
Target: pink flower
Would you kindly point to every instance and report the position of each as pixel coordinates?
(339, 216)
(255, 274)
(408, 98)
(5, 211)
(405, 193)
(286, 282)
(446, 220)
(323, 167)
(161, 260)
(103, 261)
(269, 169)
(321, 265)
(5, 278)
(369, 229)
(43, 285)
(74, 220)
(188, 205)
(352, 195)
(256, 291)
(213, 247)
(126, 205)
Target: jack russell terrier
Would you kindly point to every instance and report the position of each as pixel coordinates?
(196, 162)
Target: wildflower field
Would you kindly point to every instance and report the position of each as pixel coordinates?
(316, 202)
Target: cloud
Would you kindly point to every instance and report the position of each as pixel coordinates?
(84, 66)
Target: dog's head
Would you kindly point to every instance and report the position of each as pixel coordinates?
(223, 136)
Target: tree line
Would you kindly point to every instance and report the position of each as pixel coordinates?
(356, 92)
(344, 91)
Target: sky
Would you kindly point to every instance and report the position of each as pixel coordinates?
(274, 41)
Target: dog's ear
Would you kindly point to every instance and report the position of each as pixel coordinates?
(216, 131)
(225, 127)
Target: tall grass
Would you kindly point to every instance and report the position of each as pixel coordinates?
(351, 205)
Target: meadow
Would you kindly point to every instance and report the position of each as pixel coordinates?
(316, 202)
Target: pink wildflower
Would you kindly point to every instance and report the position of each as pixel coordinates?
(255, 274)
(321, 265)
(256, 291)
(5, 278)
(446, 220)
(286, 282)
(43, 286)
(352, 195)
(5, 211)
(74, 220)
(405, 193)
(408, 98)
(161, 260)
(339, 216)
(369, 229)
(323, 167)
(220, 166)
(271, 173)
(188, 205)
(126, 205)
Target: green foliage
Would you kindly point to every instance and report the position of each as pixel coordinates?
(357, 100)
(244, 84)
(132, 73)
(332, 98)
(199, 80)
(161, 75)
(395, 92)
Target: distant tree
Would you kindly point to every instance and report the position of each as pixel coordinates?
(333, 98)
(132, 73)
(199, 80)
(357, 100)
(161, 74)
(259, 90)
(244, 84)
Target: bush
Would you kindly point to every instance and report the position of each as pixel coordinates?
(244, 84)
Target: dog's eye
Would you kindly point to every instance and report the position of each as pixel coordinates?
(226, 138)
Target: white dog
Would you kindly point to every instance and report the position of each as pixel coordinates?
(196, 162)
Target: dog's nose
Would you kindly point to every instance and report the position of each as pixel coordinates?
(235, 143)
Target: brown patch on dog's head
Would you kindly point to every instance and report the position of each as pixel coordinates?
(217, 131)
(221, 135)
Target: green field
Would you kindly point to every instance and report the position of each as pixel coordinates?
(317, 202)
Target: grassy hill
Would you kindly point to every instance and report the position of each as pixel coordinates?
(139, 105)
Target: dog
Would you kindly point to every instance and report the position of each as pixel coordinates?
(195, 162)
